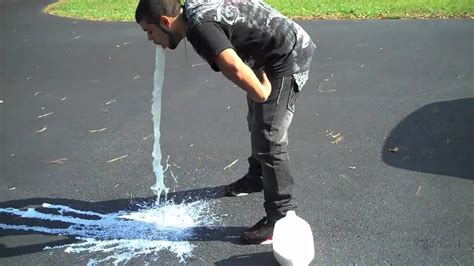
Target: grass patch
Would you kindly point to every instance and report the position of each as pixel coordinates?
(363, 9)
(103, 10)
(124, 10)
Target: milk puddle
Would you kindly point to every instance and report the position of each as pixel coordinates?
(120, 236)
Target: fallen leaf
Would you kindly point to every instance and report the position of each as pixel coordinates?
(45, 115)
(418, 191)
(336, 141)
(335, 136)
(395, 149)
(41, 130)
(97, 130)
(58, 161)
(116, 159)
(110, 102)
(230, 165)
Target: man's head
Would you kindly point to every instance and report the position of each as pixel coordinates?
(161, 20)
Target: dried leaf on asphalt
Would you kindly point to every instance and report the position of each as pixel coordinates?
(335, 136)
(97, 130)
(116, 159)
(110, 102)
(418, 191)
(42, 130)
(147, 137)
(45, 115)
(336, 141)
(395, 149)
(230, 165)
(58, 161)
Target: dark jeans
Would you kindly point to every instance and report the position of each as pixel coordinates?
(268, 125)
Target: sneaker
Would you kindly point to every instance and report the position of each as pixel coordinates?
(261, 233)
(244, 186)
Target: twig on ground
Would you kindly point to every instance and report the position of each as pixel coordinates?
(97, 130)
(58, 161)
(230, 165)
(116, 159)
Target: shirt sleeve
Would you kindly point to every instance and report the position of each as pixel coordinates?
(209, 39)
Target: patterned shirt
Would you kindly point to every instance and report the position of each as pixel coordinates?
(262, 37)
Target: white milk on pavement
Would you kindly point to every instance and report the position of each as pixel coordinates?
(117, 237)
(120, 236)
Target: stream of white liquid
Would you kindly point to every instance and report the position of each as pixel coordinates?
(119, 237)
(159, 188)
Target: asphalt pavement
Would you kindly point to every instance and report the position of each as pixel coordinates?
(381, 144)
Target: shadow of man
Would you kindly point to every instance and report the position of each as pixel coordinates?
(437, 139)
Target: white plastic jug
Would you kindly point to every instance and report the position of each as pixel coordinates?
(293, 241)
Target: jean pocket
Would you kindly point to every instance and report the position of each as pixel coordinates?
(292, 98)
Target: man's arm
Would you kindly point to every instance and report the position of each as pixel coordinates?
(239, 73)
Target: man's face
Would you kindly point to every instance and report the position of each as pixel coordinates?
(158, 36)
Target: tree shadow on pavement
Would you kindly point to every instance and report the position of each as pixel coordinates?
(257, 259)
(437, 139)
(214, 233)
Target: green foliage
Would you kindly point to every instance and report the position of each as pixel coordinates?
(124, 10)
(109, 10)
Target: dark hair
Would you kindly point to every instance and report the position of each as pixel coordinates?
(152, 10)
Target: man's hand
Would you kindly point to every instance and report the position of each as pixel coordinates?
(239, 73)
(266, 84)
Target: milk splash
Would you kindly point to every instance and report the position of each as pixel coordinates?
(159, 187)
(118, 237)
